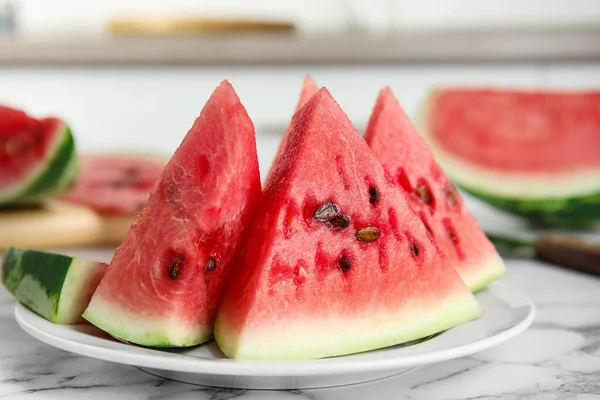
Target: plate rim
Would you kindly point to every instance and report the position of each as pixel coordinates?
(230, 367)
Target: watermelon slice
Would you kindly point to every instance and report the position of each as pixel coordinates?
(309, 88)
(531, 153)
(54, 286)
(37, 157)
(337, 261)
(164, 283)
(115, 183)
(409, 162)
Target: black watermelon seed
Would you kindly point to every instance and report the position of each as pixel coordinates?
(340, 221)
(368, 234)
(326, 212)
(452, 236)
(211, 265)
(414, 249)
(175, 266)
(424, 194)
(373, 195)
(344, 264)
(450, 197)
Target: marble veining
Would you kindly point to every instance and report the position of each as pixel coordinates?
(557, 358)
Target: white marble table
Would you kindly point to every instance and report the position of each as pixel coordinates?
(557, 358)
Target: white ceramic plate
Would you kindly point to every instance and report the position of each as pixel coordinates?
(507, 313)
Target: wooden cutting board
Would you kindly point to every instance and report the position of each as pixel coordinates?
(188, 25)
(60, 224)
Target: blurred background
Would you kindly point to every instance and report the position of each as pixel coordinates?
(136, 73)
(132, 74)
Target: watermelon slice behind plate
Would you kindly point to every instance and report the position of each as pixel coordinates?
(337, 261)
(413, 168)
(309, 88)
(38, 159)
(534, 154)
(164, 283)
(115, 183)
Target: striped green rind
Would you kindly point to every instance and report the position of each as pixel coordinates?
(36, 279)
(578, 211)
(54, 286)
(56, 178)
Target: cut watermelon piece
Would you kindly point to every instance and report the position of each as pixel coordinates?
(337, 261)
(411, 165)
(309, 88)
(164, 283)
(37, 157)
(531, 153)
(115, 183)
(54, 286)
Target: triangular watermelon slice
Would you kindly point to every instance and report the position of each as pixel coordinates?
(164, 283)
(337, 262)
(412, 166)
(309, 88)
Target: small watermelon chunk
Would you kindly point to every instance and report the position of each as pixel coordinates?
(55, 286)
(309, 88)
(38, 158)
(115, 183)
(337, 262)
(532, 153)
(411, 165)
(164, 283)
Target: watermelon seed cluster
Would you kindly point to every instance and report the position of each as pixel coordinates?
(329, 213)
(175, 266)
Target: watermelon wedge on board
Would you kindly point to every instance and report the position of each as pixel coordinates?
(164, 283)
(38, 158)
(413, 168)
(532, 153)
(309, 88)
(337, 262)
(115, 183)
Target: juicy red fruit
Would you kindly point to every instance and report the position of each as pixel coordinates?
(167, 276)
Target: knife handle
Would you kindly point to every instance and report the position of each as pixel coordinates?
(568, 251)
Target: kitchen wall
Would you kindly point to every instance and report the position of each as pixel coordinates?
(43, 17)
(152, 108)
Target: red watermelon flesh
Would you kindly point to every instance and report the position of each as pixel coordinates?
(413, 168)
(499, 129)
(309, 88)
(23, 142)
(115, 183)
(318, 279)
(164, 283)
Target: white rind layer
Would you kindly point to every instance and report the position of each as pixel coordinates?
(312, 337)
(517, 185)
(145, 330)
(80, 283)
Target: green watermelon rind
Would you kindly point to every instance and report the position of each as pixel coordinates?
(54, 286)
(575, 211)
(56, 177)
